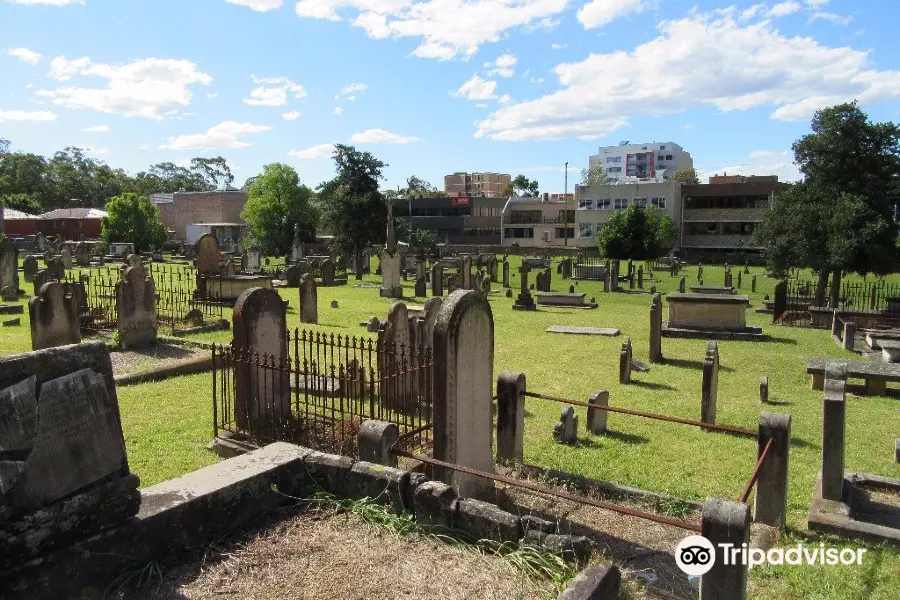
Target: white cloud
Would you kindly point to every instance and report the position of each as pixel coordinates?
(291, 116)
(598, 13)
(373, 136)
(503, 66)
(97, 129)
(320, 151)
(273, 91)
(480, 105)
(782, 9)
(47, 2)
(25, 55)
(755, 66)
(152, 87)
(447, 28)
(831, 18)
(337, 111)
(351, 98)
(505, 99)
(212, 95)
(816, 3)
(26, 115)
(477, 88)
(353, 88)
(92, 150)
(257, 5)
(761, 162)
(144, 146)
(226, 135)
(558, 46)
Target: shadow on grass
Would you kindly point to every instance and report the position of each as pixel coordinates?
(652, 386)
(777, 403)
(627, 438)
(682, 363)
(801, 443)
(780, 340)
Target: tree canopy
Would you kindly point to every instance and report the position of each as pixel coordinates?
(524, 187)
(133, 218)
(638, 233)
(593, 176)
(278, 207)
(686, 176)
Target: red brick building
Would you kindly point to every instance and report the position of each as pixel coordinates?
(19, 224)
(72, 223)
(181, 209)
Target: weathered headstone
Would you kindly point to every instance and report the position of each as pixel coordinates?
(208, 255)
(466, 273)
(9, 265)
(625, 362)
(29, 268)
(682, 285)
(505, 274)
(524, 301)
(640, 277)
(753, 283)
(476, 281)
(728, 279)
(421, 287)
(390, 275)
(292, 275)
(565, 431)
(656, 310)
(54, 316)
(486, 285)
(309, 299)
(66, 256)
(136, 309)
(373, 324)
(437, 279)
(764, 390)
(740, 281)
(230, 269)
(133, 260)
(596, 417)
(262, 382)
(83, 254)
(327, 269)
(709, 391)
(833, 430)
(452, 284)
(251, 261)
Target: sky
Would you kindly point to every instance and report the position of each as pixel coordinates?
(436, 86)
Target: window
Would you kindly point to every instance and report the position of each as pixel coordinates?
(640, 202)
(614, 170)
(668, 157)
(603, 203)
(585, 230)
(660, 202)
(661, 157)
(613, 159)
(620, 203)
(519, 232)
(663, 147)
(586, 204)
(565, 232)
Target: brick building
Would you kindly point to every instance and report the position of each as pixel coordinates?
(181, 209)
(14, 223)
(489, 185)
(73, 224)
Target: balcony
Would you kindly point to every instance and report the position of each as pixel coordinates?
(718, 241)
(718, 215)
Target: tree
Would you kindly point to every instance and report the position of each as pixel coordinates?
(839, 218)
(637, 233)
(278, 206)
(523, 187)
(4, 146)
(687, 176)
(214, 171)
(419, 188)
(595, 175)
(420, 240)
(353, 209)
(133, 218)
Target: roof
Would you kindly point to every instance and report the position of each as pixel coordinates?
(11, 214)
(74, 213)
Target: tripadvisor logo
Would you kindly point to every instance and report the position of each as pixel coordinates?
(696, 555)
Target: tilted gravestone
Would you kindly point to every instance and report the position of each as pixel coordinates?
(565, 431)
(9, 264)
(309, 299)
(710, 383)
(54, 316)
(421, 287)
(63, 470)
(136, 309)
(29, 268)
(262, 382)
(208, 256)
(625, 362)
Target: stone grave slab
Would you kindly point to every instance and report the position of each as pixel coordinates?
(890, 350)
(563, 299)
(573, 330)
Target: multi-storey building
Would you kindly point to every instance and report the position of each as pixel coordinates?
(467, 220)
(220, 207)
(489, 185)
(655, 161)
(538, 222)
(597, 203)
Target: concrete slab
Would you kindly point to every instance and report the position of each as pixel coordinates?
(572, 330)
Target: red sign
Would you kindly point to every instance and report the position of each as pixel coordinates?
(461, 200)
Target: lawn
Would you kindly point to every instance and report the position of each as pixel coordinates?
(168, 424)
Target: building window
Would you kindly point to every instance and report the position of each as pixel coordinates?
(668, 157)
(620, 203)
(661, 158)
(565, 232)
(660, 202)
(662, 146)
(586, 204)
(519, 232)
(640, 202)
(603, 203)
(585, 230)
(614, 170)
(613, 159)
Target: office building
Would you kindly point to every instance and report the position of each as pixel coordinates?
(489, 185)
(538, 222)
(596, 204)
(655, 161)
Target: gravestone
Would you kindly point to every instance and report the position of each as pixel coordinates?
(476, 281)
(40, 278)
(509, 293)
(486, 285)
(492, 267)
(9, 265)
(327, 270)
(83, 254)
(833, 431)
(133, 260)
(136, 309)
(437, 279)
(425, 333)
(656, 310)
(452, 284)
(710, 383)
(29, 267)
(466, 273)
(764, 390)
(740, 282)
(625, 362)
(396, 352)
(251, 261)
(230, 269)
(40, 242)
(566, 430)
(66, 256)
(753, 283)
(700, 272)
(505, 274)
(390, 275)
(54, 316)
(208, 256)
(421, 287)
(682, 285)
(309, 299)
(292, 275)
(373, 324)
(262, 395)
(728, 279)
(571, 289)
(463, 391)
(640, 277)
(524, 301)
(596, 417)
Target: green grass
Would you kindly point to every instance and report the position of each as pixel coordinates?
(168, 424)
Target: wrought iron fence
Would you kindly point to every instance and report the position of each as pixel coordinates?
(590, 269)
(321, 392)
(806, 306)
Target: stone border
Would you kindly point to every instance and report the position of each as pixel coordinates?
(199, 364)
(222, 325)
(748, 334)
(837, 517)
(177, 341)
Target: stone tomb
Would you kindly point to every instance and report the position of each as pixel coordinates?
(208, 255)
(712, 289)
(136, 309)
(563, 299)
(63, 473)
(709, 316)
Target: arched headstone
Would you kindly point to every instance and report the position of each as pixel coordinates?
(309, 299)
(54, 316)
(207, 249)
(136, 309)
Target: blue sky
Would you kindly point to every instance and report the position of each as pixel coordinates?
(436, 86)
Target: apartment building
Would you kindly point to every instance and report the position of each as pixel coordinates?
(489, 185)
(538, 222)
(596, 204)
(655, 161)
(469, 220)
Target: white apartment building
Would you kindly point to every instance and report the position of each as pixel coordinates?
(596, 204)
(635, 162)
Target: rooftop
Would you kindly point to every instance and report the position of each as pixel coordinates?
(11, 214)
(74, 213)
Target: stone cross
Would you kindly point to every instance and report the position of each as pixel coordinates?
(566, 430)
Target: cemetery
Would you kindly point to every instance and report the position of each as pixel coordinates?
(456, 403)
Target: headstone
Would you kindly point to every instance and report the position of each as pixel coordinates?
(770, 503)
(251, 261)
(133, 260)
(466, 273)
(625, 362)
(452, 284)
(700, 272)
(373, 325)
(740, 282)
(66, 255)
(83, 254)
(476, 281)
(309, 299)
(509, 293)
(230, 269)
(208, 255)
(596, 417)
(682, 285)
(136, 309)
(40, 242)
(505, 274)
(13, 322)
(9, 265)
(566, 430)
(571, 289)
(524, 301)
(292, 275)
(29, 267)
(462, 403)
(764, 390)
(421, 287)
(640, 277)
(327, 269)
(656, 310)
(425, 336)
(710, 387)
(437, 279)
(753, 284)
(262, 382)
(390, 275)
(510, 415)
(486, 285)
(54, 316)
(833, 431)
(779, 305)
(728, 279)
(334, 304)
